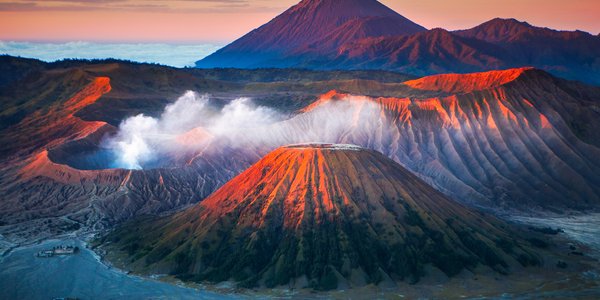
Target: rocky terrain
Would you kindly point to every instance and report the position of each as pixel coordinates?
(55, 115)
(517, 140)
(321, 216)
(317, 163)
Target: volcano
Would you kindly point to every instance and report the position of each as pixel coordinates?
(321, 216)
(364, 34)
(332, 23)
(569, 54)
(509, 138)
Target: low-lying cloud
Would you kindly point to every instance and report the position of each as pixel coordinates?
(166, 54)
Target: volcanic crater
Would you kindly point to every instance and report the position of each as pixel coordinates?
(87, 153)
(269, 226)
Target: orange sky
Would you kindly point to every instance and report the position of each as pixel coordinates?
(189, 21)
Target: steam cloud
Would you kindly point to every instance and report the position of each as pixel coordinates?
(194, 124)
(142, 139)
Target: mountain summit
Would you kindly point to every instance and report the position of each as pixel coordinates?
(322, 216)
(335, 22)
(500, 30)
(365, 34)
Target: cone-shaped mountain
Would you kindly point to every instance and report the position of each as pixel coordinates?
(317, 216)
(329, 23)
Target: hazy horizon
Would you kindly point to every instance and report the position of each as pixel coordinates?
(169, 54)
(179, 33)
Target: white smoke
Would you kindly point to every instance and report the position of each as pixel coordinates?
(241, 115)
(194, 124)
(132, 141)
(142, 139)
(184, 114)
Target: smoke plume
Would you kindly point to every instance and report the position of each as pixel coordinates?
(194, 124)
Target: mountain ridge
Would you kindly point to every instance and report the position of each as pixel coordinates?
(378, 42)
(510, 30)
(466, 83)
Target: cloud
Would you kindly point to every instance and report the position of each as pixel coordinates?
(166, 54)
(186, 113)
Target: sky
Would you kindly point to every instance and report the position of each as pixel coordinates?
(175, 55)
(222, 21)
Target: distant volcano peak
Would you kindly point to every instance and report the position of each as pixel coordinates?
(507, 21)
(345, 8)
(365, 34)
(309, 22)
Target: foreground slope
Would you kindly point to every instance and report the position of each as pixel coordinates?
(321, 215)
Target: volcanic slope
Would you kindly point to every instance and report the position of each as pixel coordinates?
(517, 139)
(35, 187)
(505, 139)
(497, 44)
(569, 54)
(321, 216)
(364, 34)
(332, 23)
(55, 116)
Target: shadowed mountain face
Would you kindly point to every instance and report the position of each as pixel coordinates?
(320, 215)
(332, 23)
(497, 44)
(352, 34)
(513, 31)
(12, 69)
(569, 54)
(430, 52)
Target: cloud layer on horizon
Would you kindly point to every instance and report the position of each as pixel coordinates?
(166, 54)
